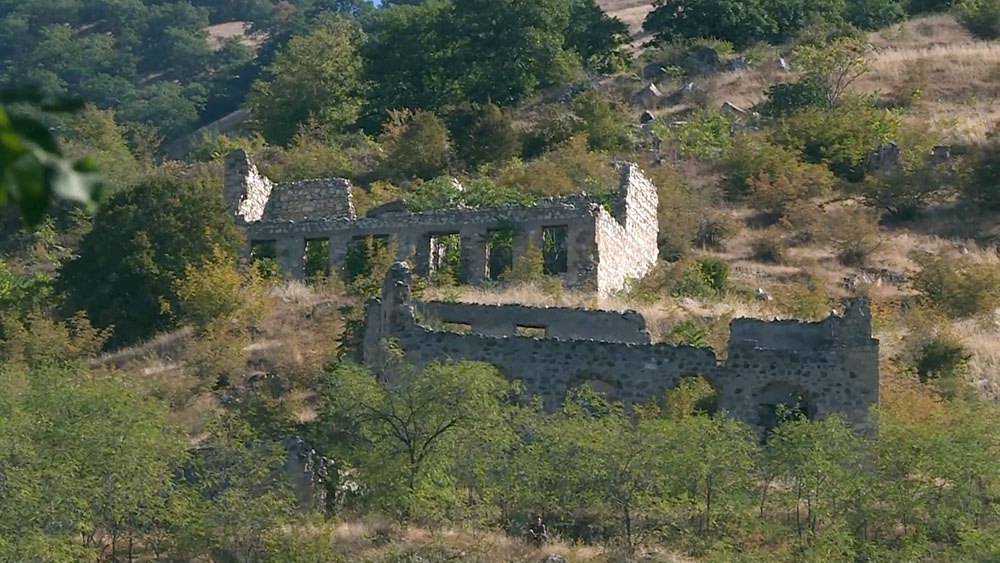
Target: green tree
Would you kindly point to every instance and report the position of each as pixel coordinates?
(740, 23)
(317, 75)
(417, 145)
(410, 425)
(140, 243)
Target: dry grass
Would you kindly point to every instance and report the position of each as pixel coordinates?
(372, 540)
(632, 12)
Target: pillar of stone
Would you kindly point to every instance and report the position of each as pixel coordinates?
(291, 253)
(422, 256)
(338, 253)
(473, 249)
(406, 250)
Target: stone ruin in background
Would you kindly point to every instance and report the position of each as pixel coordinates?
(585, 244)
(819, 368)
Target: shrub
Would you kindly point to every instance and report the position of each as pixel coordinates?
(706, 134)
(980, 17)
(770, 177)
(854, 234)
(769, 247)
(805, 301)
(607, 128)
(980, 186)
(874, 14)
(704, 277)
(942, 357)
(956, 285)
(842, 138)
(528, 267)
(714, 230)
(570, 168)
(417, 145)
(786, 98)
(482, 133)
(553, 125)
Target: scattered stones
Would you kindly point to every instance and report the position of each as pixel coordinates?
(554, 558)
(647, 97)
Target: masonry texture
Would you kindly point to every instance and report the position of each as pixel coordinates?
(599, 249)
(824, 367)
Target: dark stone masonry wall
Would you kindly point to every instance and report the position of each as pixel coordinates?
(557, 322)
(832, 364)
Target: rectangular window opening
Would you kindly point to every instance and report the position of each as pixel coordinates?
(264, 255)
(462, 328)
(499, 253)
(530, 331)
(317, 258)
(445, 258)
(554, 254)
(366, 253)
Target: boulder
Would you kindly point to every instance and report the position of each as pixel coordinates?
(653, 71)
(646, 117)
(394, 206)
(647, 97)
(703, 59)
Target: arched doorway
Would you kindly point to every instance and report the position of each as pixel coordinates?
(780, 402)
(693, 394)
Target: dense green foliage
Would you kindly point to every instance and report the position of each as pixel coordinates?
(140, 243)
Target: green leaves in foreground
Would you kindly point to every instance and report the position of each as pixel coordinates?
(32, 169)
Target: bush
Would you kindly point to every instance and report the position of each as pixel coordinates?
(980, 17)
(607, 128)
(704, 277)
(854, 234)
(714, 230)
(980, 186)
(417, 145)
(482, 134)
(769, 248)
(570, 168)
(842, 138)
(770, 177)
(874, 14)
(786, 98)
(943, 357)
(956, 285)
(705, 134)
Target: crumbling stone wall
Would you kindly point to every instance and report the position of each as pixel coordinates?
(244, 190)
(602, 249)
(832, 365)
(556, 322)
(626, 242)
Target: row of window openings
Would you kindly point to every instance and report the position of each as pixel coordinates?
(445, 251)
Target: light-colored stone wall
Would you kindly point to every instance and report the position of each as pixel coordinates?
(328, 198)
(626, 241)
(836, 374)
(244, 189)
(603, 249)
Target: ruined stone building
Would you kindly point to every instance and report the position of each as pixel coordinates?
(584, 243)
(821, 368)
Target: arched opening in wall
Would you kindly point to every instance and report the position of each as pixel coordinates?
(593, 393)
(781, 402)
(694, 394)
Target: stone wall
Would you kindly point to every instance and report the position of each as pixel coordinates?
(626, 241)
(556, 322)
(832, 365)
(602, 250)
(244, 190)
